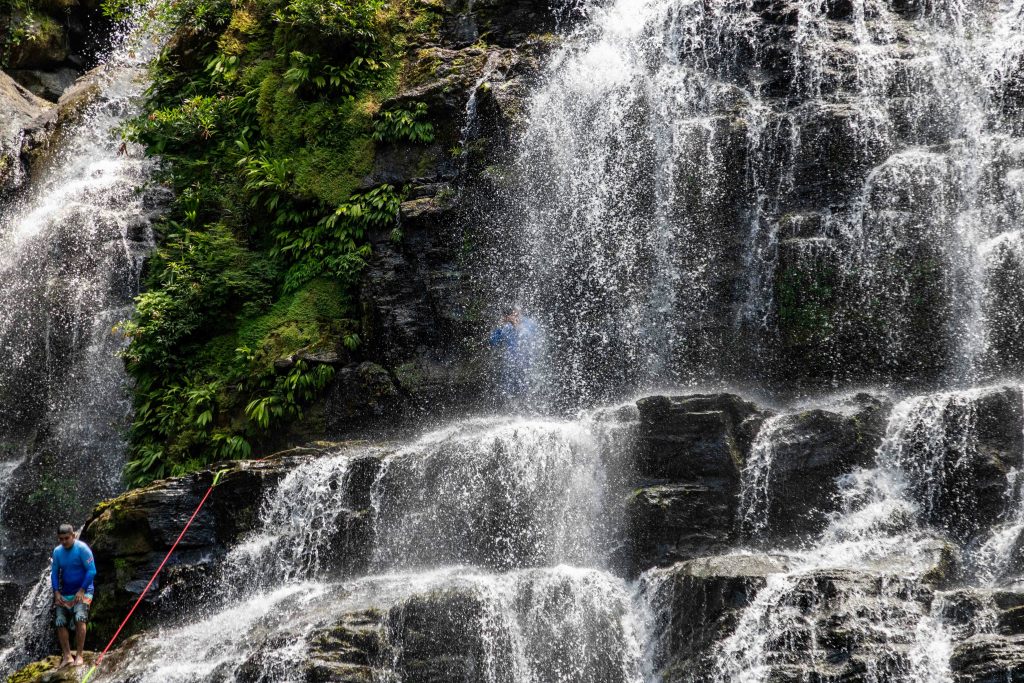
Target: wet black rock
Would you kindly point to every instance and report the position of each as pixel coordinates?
(131, 534)
(962, 481)
(440, 637)
(10, 598)
(699, 602)
(690, 453)
(348, 650)
(18, 108)
(823, 623)
(989, 658)
(810, 450)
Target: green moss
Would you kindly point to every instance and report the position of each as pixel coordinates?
(805, 300)
(33, 671)
(266, 133)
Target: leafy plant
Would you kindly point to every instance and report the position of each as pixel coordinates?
(399, 125)
(264, 135)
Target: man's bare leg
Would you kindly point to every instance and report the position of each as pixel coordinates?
(65, 646)
(79, 642)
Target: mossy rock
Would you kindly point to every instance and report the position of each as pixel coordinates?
(41, 43)
(47, 671)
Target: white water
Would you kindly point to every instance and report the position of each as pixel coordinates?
(646, 119)
(676, 177)
(509, 518)
(891, 525)
(71, 253)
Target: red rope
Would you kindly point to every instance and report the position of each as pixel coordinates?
(153, 578)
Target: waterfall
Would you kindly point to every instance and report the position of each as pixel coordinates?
(890, 531)
(499, 528)
(706, 192)
(708, 189)
(71, 254)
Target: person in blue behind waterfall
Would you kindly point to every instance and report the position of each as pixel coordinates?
(72, 572)
(517, 336)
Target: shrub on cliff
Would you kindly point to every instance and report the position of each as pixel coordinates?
(264, 113)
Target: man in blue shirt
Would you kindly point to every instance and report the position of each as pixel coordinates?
(517, 335)
(72, 571)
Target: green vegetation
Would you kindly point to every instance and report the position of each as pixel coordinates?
(266, 114)
(21, 22)
(806, 302)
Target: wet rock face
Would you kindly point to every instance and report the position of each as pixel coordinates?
(689, 459)
(441, 638)
(695, 453)
(424, 309)
(960, 452)
(131, 534)
(18, 108)
(990, 658)
(822, 627)
(56, 42)
(809, 452)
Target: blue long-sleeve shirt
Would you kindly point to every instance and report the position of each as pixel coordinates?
(515, 340)
(73, 570)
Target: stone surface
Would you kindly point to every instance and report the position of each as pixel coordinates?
(989, 658)
(49, 85)
(440, 637)
(837, 610)
(18, 108)
(131, 534)
(10, 599)
(962, 487)
(689, 458)
(44, 138)
(809, 451)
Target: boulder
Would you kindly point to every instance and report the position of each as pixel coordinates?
(18, 108)
(349, 650)
(440, 636)
(49, 85)
(48, 671)
(689, 455)
(697, 603)
(817, 625)
(989, 658)
(131, 534)
(45, 44)
(10, 599)
(45, 137)
(689, 437)
(959, 451)
(804, 455)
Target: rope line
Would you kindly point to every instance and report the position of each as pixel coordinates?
(99, 660)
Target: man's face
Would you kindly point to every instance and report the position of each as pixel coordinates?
(66, 540)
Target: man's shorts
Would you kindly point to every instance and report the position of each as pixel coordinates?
(68, 615)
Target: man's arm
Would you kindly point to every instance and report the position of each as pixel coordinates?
(53, 579)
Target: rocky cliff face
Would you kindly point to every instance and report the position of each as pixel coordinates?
(791, 195)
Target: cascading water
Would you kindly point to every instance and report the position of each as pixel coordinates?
(71, 253)
(894, 527)
(501, 524)
(709, 191)
(717, 190)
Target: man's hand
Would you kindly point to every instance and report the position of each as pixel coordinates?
(79, 596)
(58, 600)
